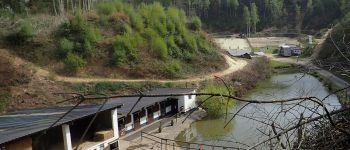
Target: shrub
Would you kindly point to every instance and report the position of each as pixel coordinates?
(83, 35)
(135, 18)
(160, 48)
(73, 63)
(196, 24)
(275, 51)
(23, 35)
(124, 48)
(66, 47)
(190, 42)
(4, 100)
(174, 50)
(307, 52)
(172, 69)
(26, 30)
(216, 106)
(203, 45)
(105, 9)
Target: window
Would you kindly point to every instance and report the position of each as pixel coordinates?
(190, 96)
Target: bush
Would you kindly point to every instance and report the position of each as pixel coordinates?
(307, 52)
(275, 51)
(172, 69)
(196, 24)
(124, 49)
(203, 45)
(66, 47)
(160, 48)
(190, 42)
(23, 35)
(174, 50)
(73, 63)
(105, 9)
(216, 106)
(83, 35)
(4, 100)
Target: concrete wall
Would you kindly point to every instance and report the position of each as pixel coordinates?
(187, 102)
(24, 143)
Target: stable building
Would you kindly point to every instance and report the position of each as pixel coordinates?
(288, 50)
(30, 129)
(150, 109)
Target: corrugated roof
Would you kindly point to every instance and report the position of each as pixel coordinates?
(129, 102)
(239, 52)
(26, 122)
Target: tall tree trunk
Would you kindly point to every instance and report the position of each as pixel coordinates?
(72, 5)
(54, 6)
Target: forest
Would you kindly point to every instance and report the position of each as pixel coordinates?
(223, 15)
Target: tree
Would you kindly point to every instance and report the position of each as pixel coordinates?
(254, 16)
(247, 18)
(233, 5)
(276, 9)
(298, 18)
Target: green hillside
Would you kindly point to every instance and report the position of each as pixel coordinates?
(113, 39)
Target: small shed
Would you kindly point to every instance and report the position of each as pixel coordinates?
(290, 50)
(244, 53)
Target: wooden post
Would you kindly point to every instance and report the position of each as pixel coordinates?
(346, 95)
(173, 146)
(166, 143)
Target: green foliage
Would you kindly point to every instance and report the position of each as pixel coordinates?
(275, 51)
(125, 49)
(190, 43)
(160, 48)
(105, 9)
(173, 69)
(254, 15)
(246, 16)
(23, 35)
(307, 51)
(66, 47)
(4, 100)
(73, 63)
(216, 106)
(82, 34)
(197, 23)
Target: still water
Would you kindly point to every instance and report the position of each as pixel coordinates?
(248, 128)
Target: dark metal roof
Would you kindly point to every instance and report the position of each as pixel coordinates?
(26, 122)
(129, 102)
(239, 52)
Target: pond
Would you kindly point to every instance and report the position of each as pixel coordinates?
(249, 127)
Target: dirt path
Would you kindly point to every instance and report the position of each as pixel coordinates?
(234, 65)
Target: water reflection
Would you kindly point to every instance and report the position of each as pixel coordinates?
(250, 126)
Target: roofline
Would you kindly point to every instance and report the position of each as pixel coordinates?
(58, 124)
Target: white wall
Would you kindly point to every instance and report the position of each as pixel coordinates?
(114, 114)
(186, 102)
(156, 114)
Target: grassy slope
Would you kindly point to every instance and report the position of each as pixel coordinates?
(42, 48)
